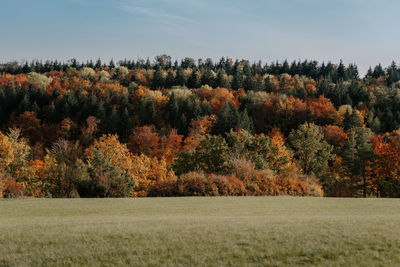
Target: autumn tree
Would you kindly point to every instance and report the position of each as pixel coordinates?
(63, 169)
(384, 170)
(6, 151)
(199, 128)
(110, 168)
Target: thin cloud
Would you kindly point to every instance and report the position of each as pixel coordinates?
(160, 16)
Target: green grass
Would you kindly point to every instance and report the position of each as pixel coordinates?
(200, 231)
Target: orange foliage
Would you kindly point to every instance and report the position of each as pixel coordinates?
(324, 111)
(64, 128)
(221, 96)
(6, 151)
(21, 80)
(335, 135)
(12, 189)
(141, 77)
(89, 130)
(55, 83)
(30, 125)
(6, 79)
(199, 128)
(278, 140)
(387, 163)
(274, 110)
(35, 184)
(148, 172)
(310, 88)
(144, 140)
(170, 146)
(109, 146)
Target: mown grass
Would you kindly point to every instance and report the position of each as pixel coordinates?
(200, 231)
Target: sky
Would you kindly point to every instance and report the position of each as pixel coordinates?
(364, 32)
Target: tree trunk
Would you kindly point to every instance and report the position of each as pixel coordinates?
(364, 184)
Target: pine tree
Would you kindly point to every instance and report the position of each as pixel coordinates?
(24, 105)
(158, 81)
(111, 65)
(170, 80)
(194, 80)
(227, 119)
(208, 78)
(237, 81)
(180, 78)
(124, 124)
(351, 120)
(221, 81)
(365, 154)
(245, 122)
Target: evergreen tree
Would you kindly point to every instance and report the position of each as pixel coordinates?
(173, 111)
(351, 120)
(245, 122)
(159, 80)
(180, 78)
(98, 64)
(221, 81)
(24, 105)
(311, 150)
(124, 124)
(51, 114)
(227, 119)
(208, 78)
(170, 80)
(111, 65)
(194, 80)
(237, 81)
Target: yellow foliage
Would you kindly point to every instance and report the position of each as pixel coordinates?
(147, 172)
(118, 153)
(6, 151)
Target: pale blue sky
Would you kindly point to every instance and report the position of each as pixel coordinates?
(360, 31)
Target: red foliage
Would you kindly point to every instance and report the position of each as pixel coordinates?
(30, 126)
(335, 135)
(199, 128)
(323, 111)
(144, 140)
(387, 163)
(12, 189)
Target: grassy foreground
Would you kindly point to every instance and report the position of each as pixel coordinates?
(200, 231)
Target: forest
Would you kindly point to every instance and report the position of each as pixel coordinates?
(149, 128)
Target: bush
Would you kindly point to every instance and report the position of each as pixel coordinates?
(164, 188)
(228, 185)
(243, 169)
(195, 184)
(199, 184)
(12, 189)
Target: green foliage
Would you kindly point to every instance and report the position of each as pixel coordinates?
(258, 150)
(211, 156)
(65, 171)
(228, 118)
(311, 150)
(53, 100)
(106, 179)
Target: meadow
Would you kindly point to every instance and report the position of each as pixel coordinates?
(274, 231)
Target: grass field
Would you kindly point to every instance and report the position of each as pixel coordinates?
(200, 231)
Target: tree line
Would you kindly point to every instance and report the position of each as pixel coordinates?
(163, 128)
